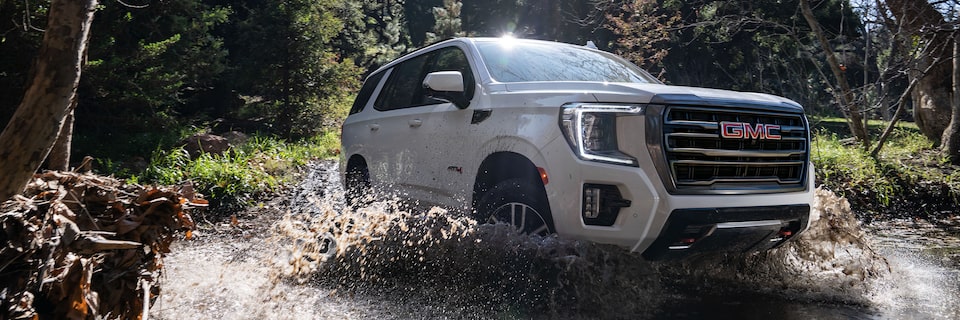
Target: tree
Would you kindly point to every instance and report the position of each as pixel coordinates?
(31, 132)
(374, 32)
(283, 56)
(763, 46)
(926, 35)
(951, 135)
(149, 62)
(447, 22)
(645, 29)
(565, 21)
(420, 19)
(59, 158)
(847, 103)
(149, 74)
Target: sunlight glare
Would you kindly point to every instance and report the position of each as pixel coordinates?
(508, 41)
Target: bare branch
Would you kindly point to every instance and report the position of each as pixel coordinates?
(854, 119)
(27, 24)
(901, 102)
(133, 5)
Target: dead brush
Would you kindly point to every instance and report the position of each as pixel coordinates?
(81, 246)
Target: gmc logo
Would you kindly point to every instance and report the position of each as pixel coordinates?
(740, 130)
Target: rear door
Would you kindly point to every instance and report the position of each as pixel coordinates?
(391, 159)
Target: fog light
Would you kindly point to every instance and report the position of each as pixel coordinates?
(591, 202)
(601, 204)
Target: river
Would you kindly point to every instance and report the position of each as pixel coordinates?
(279, 261)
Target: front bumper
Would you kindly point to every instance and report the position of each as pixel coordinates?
(739, 222)
(741, 229)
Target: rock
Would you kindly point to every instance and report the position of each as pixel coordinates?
(205, 143)
(235, 138)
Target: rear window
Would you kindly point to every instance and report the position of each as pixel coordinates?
(365, 92)
(402, 86)
(518, 61)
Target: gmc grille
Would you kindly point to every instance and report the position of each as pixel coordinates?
(700, 158)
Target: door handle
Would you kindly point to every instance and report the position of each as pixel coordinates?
(374, 127)
(415, 123)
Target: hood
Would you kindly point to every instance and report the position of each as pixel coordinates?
(645, 93)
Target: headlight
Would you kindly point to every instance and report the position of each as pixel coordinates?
(591, 131)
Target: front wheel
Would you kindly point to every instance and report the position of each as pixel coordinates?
(520, 203)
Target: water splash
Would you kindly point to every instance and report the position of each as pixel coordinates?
(832, 261)
(925, 259)
(387, 260)
(388, 246)
(490, 267)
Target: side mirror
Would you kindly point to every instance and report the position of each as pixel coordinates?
(447, 85)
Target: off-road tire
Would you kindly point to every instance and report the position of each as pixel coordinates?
(519, 202)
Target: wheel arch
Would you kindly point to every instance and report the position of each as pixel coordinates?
(354, 164)
(356, 181)
(502, 166)
(356, 160)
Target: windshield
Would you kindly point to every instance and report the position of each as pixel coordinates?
(517, 61)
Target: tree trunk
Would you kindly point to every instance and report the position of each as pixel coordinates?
(850, 110)
(31, 132)
(951, 135)
(931, 97)
(59, 158)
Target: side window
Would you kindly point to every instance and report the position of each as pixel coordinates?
(405, 80)
(404, 87)
(366, 91)
(452, 59)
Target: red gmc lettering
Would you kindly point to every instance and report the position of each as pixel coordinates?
(740, 130)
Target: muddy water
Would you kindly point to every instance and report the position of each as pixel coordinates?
(309, 257)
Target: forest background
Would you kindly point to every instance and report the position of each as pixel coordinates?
(285, 73)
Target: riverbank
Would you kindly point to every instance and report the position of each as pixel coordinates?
(908, 179)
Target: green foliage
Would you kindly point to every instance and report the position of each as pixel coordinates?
(447, 22)
(145, 65)
(420, 19)
(260, 166)
(908, 177)
(843, 166)
(126, 154)
(284, 56)
(153, 71)
(374, 32)
(138, 71)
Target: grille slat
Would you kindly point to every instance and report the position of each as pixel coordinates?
(738, 153)
(699, 157)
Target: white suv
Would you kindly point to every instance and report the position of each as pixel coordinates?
(558, 138)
